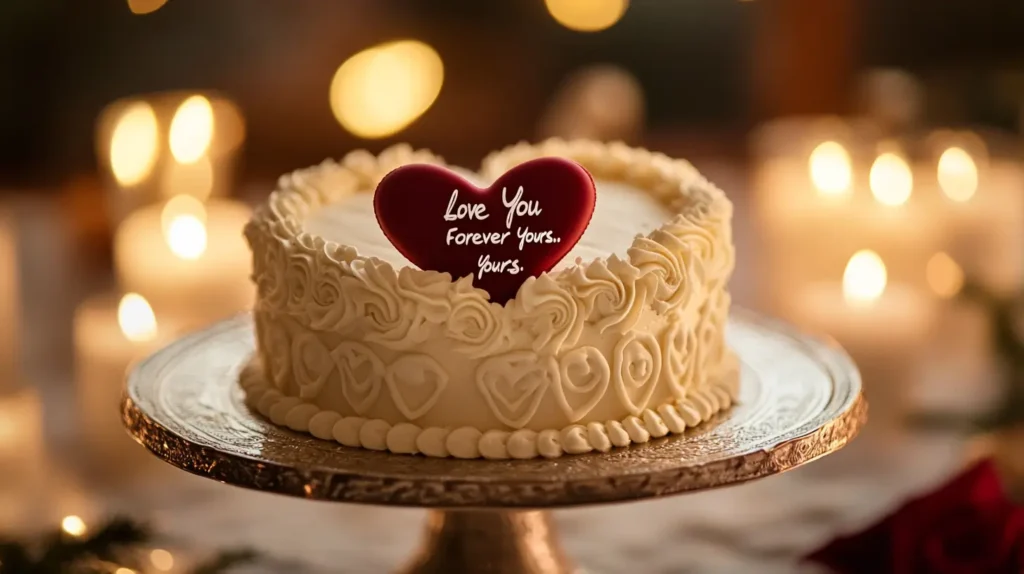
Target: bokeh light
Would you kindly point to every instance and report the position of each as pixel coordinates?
(864, 278)
(944, 275)
(830, 168)
(141, 7)
(136, 318)
(891, 180)
(587, 15)
(183, 221)
(161, 559)
(957, 174)
(192, 130)
(73, 526)
(134, 144)
(381, 90)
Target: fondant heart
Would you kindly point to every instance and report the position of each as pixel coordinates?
(520, 226)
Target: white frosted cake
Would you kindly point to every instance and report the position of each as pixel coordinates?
(622, 341)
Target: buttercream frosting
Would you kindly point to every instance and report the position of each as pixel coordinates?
(622, 342)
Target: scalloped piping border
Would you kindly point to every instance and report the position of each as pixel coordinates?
(675, 182)
(469, 442)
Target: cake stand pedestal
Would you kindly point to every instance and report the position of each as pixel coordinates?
(800, 400)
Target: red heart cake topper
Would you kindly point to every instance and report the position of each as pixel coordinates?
(519, 227)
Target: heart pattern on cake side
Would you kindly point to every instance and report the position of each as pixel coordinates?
(415, 383)
(513, 385)
(362, 374)
(583, 383)
(636, 370)
(311, 361)
(520, 226)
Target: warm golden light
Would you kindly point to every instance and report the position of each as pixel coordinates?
(192, 130)
(381, 90)
(831, 169)
(944, 275)
(183, 222)
(134, 144)
(864, 278)
(73, 526)
(136, 318)
(194, 179)
(891, 179)
(587, 15)
(958, 174)
(186, 236)
(123, 570)
(145, 6)
(162, 560)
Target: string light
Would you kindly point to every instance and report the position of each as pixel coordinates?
(73, 526)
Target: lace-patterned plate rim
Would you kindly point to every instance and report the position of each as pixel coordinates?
(198, 427)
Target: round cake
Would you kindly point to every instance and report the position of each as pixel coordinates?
(622, 341)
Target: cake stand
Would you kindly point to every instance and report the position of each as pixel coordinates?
(800, 400)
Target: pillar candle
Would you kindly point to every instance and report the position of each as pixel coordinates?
(188, 259)
(110, 334)
(9, 314)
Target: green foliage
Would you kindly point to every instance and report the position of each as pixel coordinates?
(120, 542)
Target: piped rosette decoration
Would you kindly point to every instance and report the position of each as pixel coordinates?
(575, 303)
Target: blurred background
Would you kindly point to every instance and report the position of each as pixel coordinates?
(872, 149)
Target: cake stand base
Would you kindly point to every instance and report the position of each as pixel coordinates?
(490, 542)
(800, 399)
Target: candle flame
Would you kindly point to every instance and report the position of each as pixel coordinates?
(192, 130)
(136, 318)
(183, 221)
(587, 15)
(831, 169)
(891, 179)
(381, 90)
(944, 275)
(73, 526)
(957, 174)
(133, 144)
(864, 278)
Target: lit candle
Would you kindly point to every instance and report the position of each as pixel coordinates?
(22, 447)
(884, 326)
(818, 208)
(111, 334)
(157, 146)
(187, 258)
(9, 320)
(983, 204)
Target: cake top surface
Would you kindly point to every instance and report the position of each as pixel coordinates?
(622, 211)
(658, 226)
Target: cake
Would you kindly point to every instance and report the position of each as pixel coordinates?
(620, 342)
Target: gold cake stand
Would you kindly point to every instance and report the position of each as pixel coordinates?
(800, 400)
